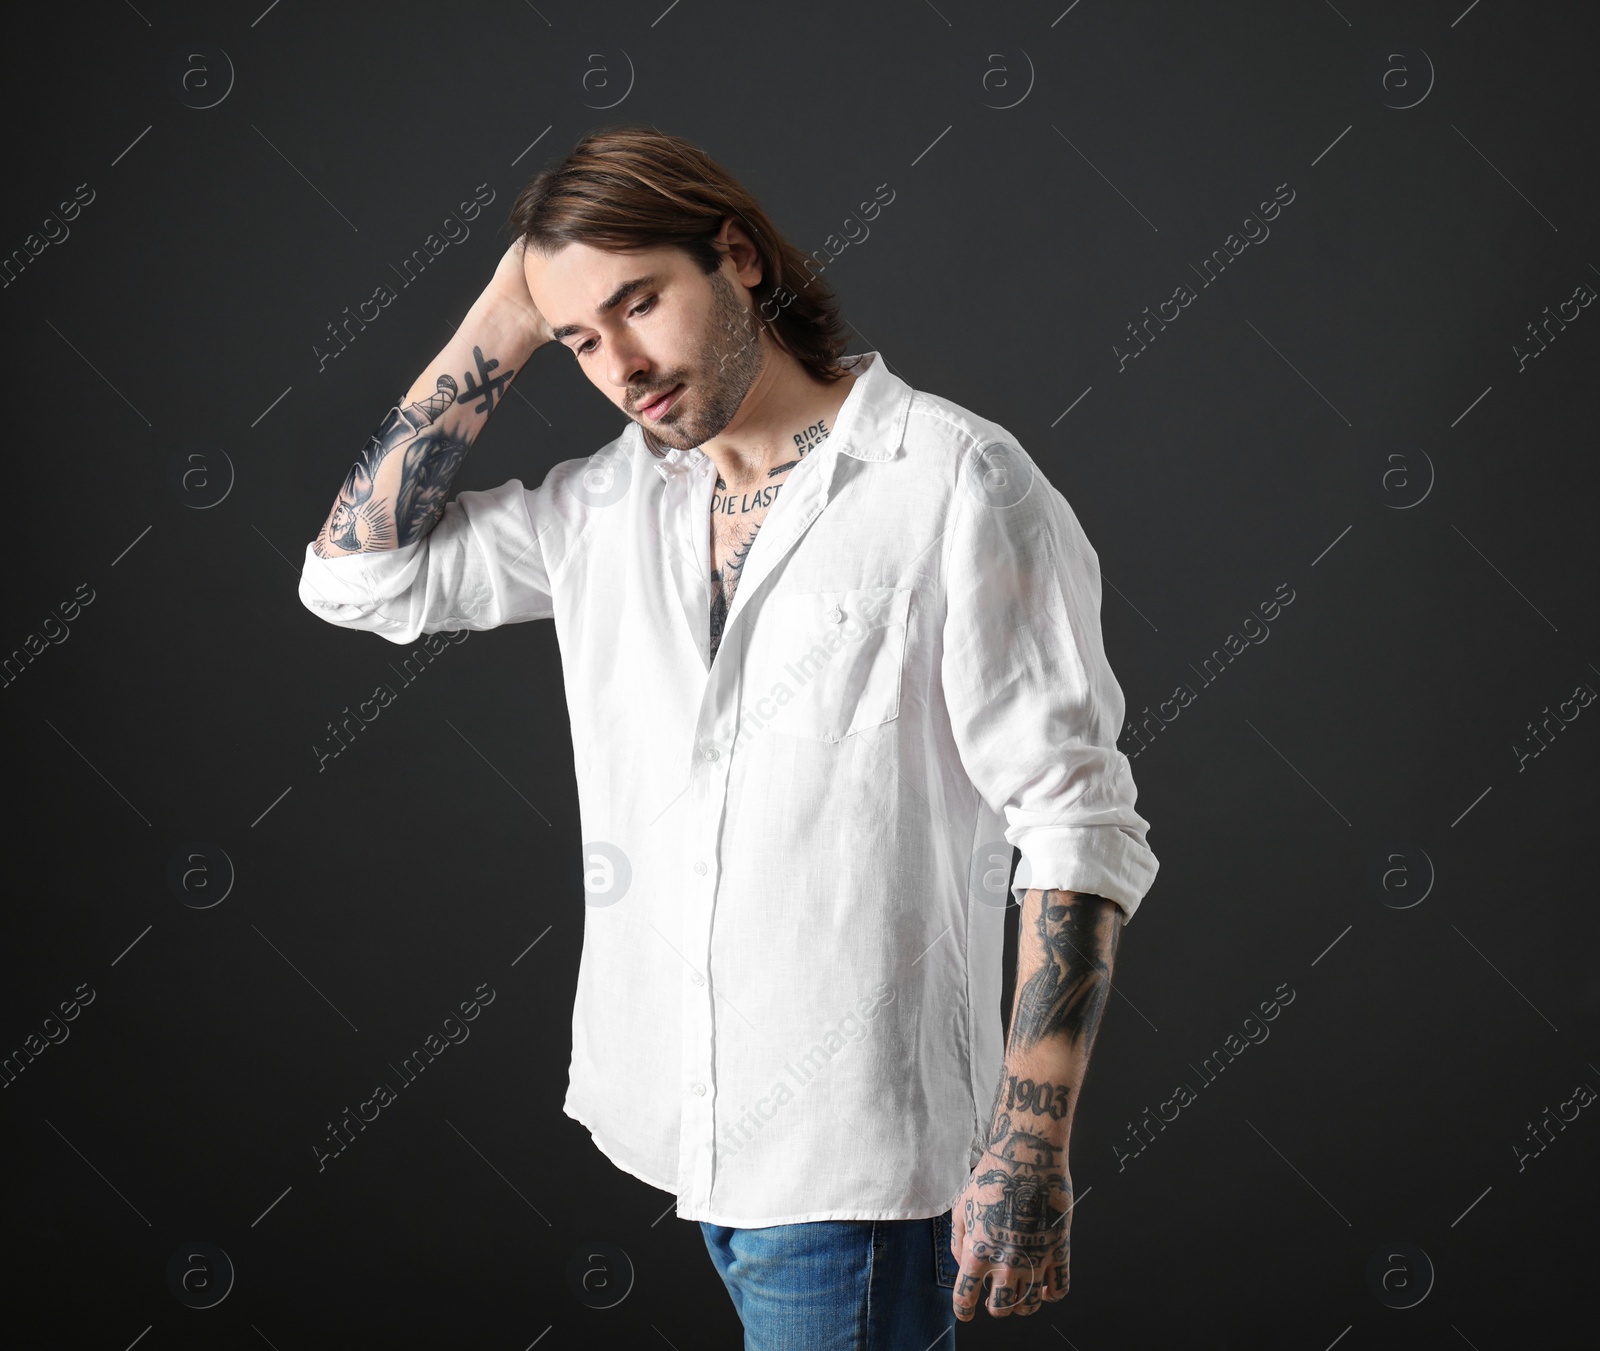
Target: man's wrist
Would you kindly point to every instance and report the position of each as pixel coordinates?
(512, 317)
(1035, 1101)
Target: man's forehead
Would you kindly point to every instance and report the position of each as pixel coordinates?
(588, 274)
(579, 285)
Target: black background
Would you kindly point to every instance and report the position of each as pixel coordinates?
(1341, 412)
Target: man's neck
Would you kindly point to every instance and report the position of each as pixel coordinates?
(784, 414)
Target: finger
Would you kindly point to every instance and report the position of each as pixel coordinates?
(969, 1289)
(1059, 1268)
(1060, 1281)
(1006, 1294)
(1015, 1290)
(1022, 1296)
(1031, 1302)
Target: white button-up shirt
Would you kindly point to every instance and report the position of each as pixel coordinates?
(796, 855)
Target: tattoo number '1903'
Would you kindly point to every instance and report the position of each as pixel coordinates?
(1040, 1099)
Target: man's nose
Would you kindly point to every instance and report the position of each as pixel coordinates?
(629, 371)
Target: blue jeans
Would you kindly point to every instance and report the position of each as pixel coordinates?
(840, 1285)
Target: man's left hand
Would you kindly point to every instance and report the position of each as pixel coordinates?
(1011, 1223)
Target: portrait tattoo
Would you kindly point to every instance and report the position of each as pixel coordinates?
(1067, 993)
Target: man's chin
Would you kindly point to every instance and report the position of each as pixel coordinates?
(674, 440)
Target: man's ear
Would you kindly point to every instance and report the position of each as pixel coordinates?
(734, 240)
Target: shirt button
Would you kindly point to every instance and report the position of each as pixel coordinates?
(699, 1090)
(711, 752)
(700, 868)
(699, 979)
(835, 614)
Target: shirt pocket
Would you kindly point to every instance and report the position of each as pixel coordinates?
(830, 661)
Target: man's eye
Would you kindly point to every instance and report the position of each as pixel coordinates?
(583, 348)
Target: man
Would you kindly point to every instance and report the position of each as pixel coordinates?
(831, 649)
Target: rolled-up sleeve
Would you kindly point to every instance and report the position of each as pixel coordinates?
(481, 566)
(1034, 706)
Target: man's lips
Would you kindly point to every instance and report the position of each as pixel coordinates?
(660, 406)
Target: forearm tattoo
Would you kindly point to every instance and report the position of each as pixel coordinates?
(431, 460)
(1066, 994)
(433, 449)
(1017, 1207)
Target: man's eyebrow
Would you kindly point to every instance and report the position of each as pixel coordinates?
(607, 305)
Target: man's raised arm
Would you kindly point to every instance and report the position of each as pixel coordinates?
(397, 488)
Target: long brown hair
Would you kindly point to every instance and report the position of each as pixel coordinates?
(638, 188)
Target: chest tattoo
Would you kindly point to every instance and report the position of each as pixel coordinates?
(736, 516)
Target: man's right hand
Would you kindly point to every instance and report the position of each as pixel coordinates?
(510, 283)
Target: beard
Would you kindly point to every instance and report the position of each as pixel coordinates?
(729, 360)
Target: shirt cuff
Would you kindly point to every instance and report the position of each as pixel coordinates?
(347, 588)
(1103, 861)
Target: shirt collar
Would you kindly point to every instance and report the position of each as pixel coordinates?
(870, 426)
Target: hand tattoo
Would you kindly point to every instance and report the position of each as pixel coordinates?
(1016, 1210)
(1017, 1207)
